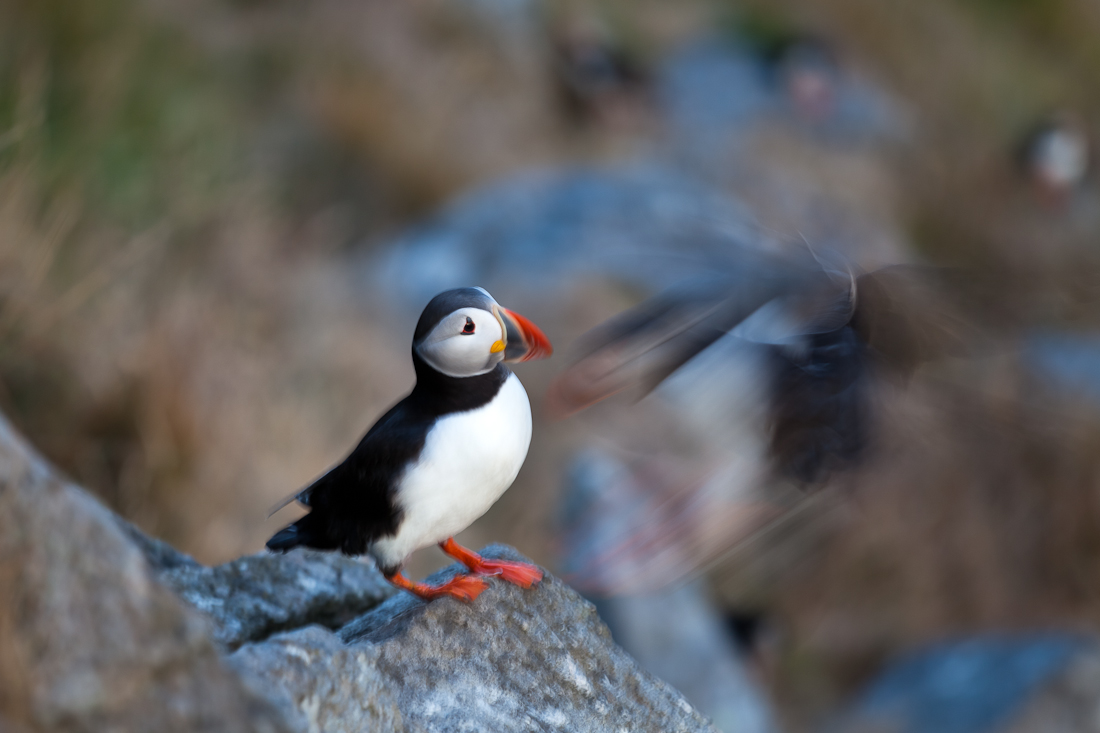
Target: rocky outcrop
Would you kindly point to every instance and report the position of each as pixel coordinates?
(253, 597)
(89, 640)
(103, 629)
(513, 660)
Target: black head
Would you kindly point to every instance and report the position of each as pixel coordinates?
(465, 332)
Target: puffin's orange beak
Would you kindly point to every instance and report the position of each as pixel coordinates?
(523, 340)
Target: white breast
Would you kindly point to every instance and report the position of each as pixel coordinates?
(469, 460)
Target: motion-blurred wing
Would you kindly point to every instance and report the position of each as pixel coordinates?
(635, 351)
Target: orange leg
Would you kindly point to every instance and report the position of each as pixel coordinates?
(520, 573)
(463, 587)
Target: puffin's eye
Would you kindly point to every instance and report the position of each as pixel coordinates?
(469, 327)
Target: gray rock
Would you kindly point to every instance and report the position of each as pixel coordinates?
(254, 597)
(89, 640)
(513, 660)
(1069, 362)
(323, 683)
(678, 635)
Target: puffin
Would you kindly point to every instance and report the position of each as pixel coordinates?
(1055, 156)
(597, 77)
(764, 375)
(805, 70)
(439, 458)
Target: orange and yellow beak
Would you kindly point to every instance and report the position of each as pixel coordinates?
(523, 340)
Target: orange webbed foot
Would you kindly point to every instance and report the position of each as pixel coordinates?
(519, 573)
(522, 574)
(463, 587)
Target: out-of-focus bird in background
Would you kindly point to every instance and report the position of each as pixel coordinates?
(767, 371)
(807, 71)
(597, 76)
(440, 457)
(1056, 157)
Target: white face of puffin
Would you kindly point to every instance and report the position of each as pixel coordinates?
(477, 335)
(468, 342)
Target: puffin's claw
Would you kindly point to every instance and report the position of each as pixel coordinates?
(522, 574)
(463, 587)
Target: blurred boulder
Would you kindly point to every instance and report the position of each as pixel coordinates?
(986, 684)
(89, 640)
(643, 224)
(1070, 362)
(513, 660)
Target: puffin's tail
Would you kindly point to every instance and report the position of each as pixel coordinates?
(303, 533)
(285, 539)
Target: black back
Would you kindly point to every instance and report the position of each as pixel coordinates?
(355, 503)
(819, 404)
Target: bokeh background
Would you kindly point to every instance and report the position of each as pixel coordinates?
(219, 221)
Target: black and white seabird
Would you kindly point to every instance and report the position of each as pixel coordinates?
(767, 370)
(440, 457)
(1055, 156)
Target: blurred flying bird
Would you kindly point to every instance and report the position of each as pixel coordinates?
(1055, 156)
(807, 71)
(766, 369)
(440, 457)
(598, 78)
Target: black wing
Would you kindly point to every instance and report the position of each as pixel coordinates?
(353, 504)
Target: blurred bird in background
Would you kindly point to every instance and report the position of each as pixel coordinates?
(807, 70)
(767, 369)
(1056, 157)
(599, 79)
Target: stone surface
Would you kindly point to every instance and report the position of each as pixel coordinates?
(678, 635)
(321, 682)
(256, 596)
(89, 640)
(513, 660)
